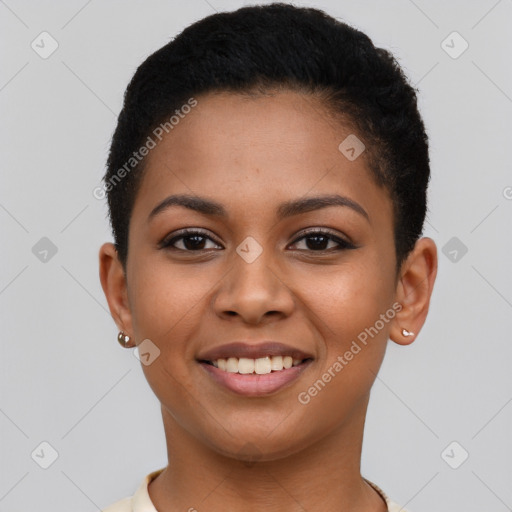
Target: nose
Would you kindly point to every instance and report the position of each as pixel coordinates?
(253, 292)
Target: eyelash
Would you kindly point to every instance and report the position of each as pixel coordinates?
(342, 244)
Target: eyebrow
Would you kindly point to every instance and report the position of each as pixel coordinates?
(285, 210)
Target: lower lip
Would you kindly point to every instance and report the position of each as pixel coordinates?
(254, 384)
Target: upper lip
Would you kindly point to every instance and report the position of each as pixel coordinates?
(253, 351)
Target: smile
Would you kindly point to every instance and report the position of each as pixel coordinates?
(259, 366)
(251, 383)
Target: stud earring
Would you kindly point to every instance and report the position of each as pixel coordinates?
(123, 339)
(405, 332)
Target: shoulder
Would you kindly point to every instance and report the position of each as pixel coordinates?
(392, 506)
(123, 505)
(140, 501)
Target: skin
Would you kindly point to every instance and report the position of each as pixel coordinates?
(226, 451)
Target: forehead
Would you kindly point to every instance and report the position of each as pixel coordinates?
(261, 149)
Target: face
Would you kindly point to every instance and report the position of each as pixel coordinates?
(317, 277)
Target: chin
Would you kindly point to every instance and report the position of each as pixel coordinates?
(257, 446)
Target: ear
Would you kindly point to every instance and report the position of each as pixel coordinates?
(414, 289)
(113, 282)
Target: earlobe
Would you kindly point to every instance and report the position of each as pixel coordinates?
(414, 291)
(113, 282)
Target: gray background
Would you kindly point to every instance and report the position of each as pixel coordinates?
(65, 380)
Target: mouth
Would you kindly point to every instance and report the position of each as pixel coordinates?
(254, 369)
(259, 366)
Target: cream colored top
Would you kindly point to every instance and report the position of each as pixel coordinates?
(141, 502)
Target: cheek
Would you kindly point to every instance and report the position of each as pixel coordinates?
(163, 299)
(352, 309)
(166, 309)
(347, 300)
(355, 340)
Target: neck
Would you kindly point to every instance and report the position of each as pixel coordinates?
(323, 476)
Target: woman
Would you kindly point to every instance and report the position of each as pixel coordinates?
(267, 186)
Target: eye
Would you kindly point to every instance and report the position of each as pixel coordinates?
(191, 240)
(318, 241)
(194, 240)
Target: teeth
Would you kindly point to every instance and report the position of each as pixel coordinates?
(245, 365)
(260, 366)
(277, 363)
(232, 365)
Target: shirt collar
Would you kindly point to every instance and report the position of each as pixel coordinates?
(141, 502)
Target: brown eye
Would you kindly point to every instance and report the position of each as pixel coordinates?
(318, 241)
(190, 241)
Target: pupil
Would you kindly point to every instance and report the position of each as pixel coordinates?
(316, 245)
(195, 243)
